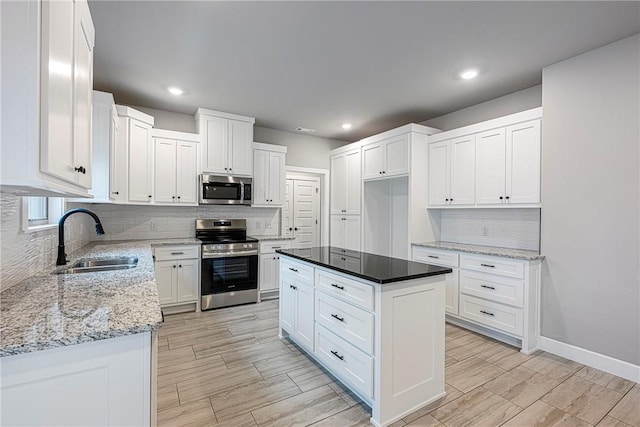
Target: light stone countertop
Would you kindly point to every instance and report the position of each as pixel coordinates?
(273, 238)
(483, 250)
(56, 310)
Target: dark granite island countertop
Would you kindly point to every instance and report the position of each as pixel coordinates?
(374, 268)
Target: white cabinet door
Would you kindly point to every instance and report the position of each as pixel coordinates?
(165, 170)
(352, 232)
(166, 278)
(287, 303)
(373, 161)
(463, 171)
(215, 142)
(57, 142)
(140, 161)
(451, 292)
(396, 156)
(439, 173)
(260, 177)
(186, 173)
(491, 164)
(353, 185)
(84, 35)
(269, 272)
(338, 184)
(187, 280)
(304, 314)
(523, 163)
(277, 178)
(119, 159)
(239, 150)
(337, 231)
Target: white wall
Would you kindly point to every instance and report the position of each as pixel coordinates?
(590, 199)
(24, 254)
(498, 107)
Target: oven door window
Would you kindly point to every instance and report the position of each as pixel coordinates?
(221, 191)
(229, 274)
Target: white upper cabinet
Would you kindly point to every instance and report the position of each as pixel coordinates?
(47, 78)
(490, 164)
(386, 158)
(269, 175)
(176, 168)
(226, 142)
(346, 182)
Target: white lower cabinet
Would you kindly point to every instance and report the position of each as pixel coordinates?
(269, 268)
(491, 294)
(177, 271)
(384, 342)
(105, 382)
(345, 231)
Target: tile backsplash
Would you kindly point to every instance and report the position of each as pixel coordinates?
(24, 254)
(507, 228)
(125, 222)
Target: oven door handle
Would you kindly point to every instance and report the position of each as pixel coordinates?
(229, 254)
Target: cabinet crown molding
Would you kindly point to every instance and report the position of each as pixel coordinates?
(172, 134)
(411, 127)
(205, 112)
(269, 147)
(124, 111)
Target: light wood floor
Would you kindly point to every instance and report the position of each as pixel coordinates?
(228, 368)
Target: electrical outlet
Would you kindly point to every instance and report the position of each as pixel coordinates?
(485, 231)
(267, 225)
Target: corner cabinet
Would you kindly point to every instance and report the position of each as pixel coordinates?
(269, 175)
(226, 142)
(490, 164)
(47, 80)
(176, 168)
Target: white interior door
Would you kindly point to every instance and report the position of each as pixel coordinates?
(287, 210)
(306, 212)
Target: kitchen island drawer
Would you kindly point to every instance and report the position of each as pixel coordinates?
(493, 265)
(353, 324)
(494, 315)
(296, 270)
(343, 288)
(434, 256)
(176, 252)
(492, 287)
(346, 361)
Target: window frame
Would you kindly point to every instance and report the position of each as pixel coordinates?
(55, 208)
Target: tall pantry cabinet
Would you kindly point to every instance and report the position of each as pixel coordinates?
(345, 199)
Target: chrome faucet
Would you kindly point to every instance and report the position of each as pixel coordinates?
(62, 257)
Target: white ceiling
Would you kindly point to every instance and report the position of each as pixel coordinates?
(318, 64)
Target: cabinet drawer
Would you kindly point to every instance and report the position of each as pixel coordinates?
(493, 265)
(491, 314)
(434, 256)
(494, 288)
(346, 361)
(296, 270)
(270, 247)
(176, 252)
(348, 322)
(345, 289)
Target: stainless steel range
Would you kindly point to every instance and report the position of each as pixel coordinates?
(229, 264)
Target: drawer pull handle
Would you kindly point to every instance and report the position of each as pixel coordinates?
(177, 253)
(335, 353)
(488, 265)
(293, 269)
(487, 313)
(338, 286)
(335, 316)
(488, 287)
(433, 256)
(276, 247)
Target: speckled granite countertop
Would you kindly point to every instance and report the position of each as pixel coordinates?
(272, 238)
(56, 310)
(483, 250)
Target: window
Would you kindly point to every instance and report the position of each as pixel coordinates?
(41, 212)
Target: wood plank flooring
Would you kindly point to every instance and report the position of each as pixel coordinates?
(228, 368)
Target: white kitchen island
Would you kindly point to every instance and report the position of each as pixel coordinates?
(378, 326)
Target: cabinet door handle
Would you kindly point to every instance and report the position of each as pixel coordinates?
(173, 197)
(335, 353)
(115, 192)
(335, 316)
(178, 197)
(507, 197)
(293, 269)
(446, 200)
(433, 256)
(174, 266)
(488, 287)
(488, 265)
(337, 286)
(149, 196)
(487, 313)
(500, 197)
(276, 247)
(293, 287)
(451, 200)
(180, 266)
(177, 253)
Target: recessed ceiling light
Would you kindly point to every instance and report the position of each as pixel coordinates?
(346, 126)
(175, 91)
(469, 74)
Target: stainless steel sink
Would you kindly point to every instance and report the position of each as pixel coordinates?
(93, 265)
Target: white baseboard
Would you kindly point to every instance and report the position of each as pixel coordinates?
(617, 367)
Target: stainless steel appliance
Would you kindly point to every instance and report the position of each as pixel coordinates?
(229, 265)
(225, 190)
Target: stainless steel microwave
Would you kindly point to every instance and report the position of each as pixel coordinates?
(225, 190)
